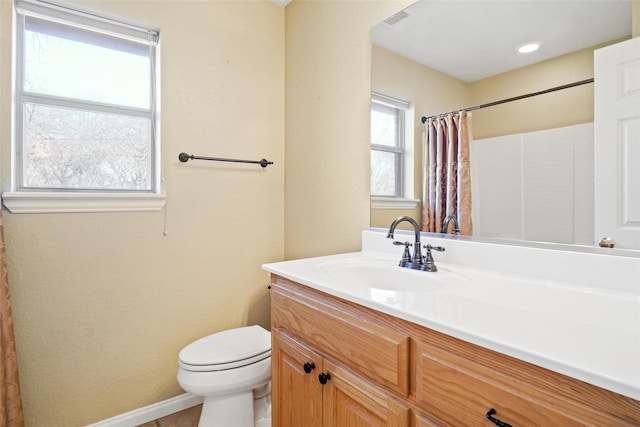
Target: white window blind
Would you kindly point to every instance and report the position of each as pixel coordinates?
(85, 18)
(86, 102)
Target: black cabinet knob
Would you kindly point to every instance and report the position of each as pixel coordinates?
(323, 378)
(308, 367)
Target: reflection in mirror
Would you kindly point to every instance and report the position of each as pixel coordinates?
(531, 159)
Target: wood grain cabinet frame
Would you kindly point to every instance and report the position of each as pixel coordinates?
(345, 399)
(339, 331)
(385, 371)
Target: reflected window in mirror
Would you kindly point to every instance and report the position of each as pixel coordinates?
(391, 148)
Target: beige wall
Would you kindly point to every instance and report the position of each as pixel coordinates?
(635, 32)
(103, 302)
(552, 110)
(431, 92)
(328, 84)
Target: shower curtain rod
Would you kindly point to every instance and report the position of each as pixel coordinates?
(515, 98)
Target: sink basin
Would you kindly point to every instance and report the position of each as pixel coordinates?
(385, 274)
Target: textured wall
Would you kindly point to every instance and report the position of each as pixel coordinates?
(635, 32)
(103, 302)
(328, 84)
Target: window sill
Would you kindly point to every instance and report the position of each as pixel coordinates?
(44, 202)
(393, 203)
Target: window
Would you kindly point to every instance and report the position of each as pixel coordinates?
(391, 151)
(85, 111)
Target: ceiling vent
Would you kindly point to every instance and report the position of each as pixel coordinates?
(394, 19)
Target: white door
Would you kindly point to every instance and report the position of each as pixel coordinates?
(617, 144)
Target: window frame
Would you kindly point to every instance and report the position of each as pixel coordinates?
(404, 197)
(21, 199)
(398, 148)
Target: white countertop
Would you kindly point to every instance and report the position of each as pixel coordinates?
(585, 332)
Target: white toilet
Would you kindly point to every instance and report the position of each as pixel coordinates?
(232, 370)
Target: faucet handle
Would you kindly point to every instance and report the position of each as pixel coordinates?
(429, 263)
(406, 256)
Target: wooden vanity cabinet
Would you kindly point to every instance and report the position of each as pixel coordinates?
(389, 372)
(314, 337)
(301, 400)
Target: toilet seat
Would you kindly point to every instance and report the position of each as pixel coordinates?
(230, 349)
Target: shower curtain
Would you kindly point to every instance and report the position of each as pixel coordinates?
(11, 414)
(446, 187)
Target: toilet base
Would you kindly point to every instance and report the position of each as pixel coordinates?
(262, 410)
(225, 411)
(232, 410)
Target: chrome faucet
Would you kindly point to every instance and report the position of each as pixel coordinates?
(456, 226)
(416, 261)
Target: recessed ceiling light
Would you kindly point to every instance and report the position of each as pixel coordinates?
(529, 47)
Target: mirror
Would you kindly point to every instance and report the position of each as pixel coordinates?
(532, 159)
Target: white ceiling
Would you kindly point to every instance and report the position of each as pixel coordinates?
(474, 39)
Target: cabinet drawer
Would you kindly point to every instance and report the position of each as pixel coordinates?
(363, 344)
(460, 391)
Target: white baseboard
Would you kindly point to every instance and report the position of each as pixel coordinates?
(151, 412)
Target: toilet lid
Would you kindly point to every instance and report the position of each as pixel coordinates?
(227, 349)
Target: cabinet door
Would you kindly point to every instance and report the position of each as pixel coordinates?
(296, 394)
(422, 421)
(351, 401)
